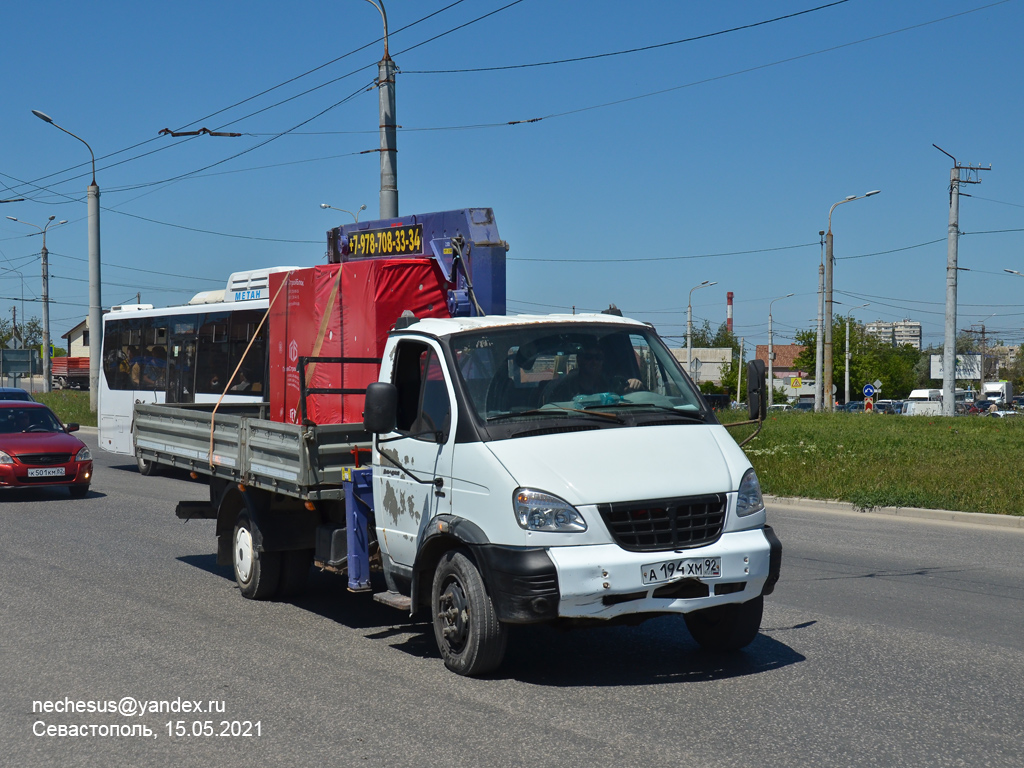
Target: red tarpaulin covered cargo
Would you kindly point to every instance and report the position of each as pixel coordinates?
(342, 310)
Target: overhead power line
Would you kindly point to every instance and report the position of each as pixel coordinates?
(622, 52)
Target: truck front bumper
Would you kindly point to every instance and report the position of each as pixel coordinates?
(604, 581)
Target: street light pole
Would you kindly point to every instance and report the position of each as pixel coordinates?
(355, 215)
(386, 69)
(819, 341)
(45, 351)
(771, 351)
(689, 325)
(95, 288)
(827, 364)
(848, 350)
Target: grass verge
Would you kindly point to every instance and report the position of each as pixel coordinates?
(966, 463)
(69, 405)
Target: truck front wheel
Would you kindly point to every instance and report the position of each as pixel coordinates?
(726, 627)
(257, 573)
(469, 635)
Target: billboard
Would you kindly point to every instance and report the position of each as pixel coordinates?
(967, 367)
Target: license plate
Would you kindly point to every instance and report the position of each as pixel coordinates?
(46, 472)
(684, 568)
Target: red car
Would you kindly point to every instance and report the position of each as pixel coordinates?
(36, 449)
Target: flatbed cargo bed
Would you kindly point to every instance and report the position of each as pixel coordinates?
(307, 462)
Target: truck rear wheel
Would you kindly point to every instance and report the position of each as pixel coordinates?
(726, 627)
(257, 573)
(470, 637)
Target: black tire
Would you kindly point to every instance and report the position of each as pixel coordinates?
(295, 566)
(147, 468)
(257, 573)
(78, 491)
(469, 636)
(726, 627)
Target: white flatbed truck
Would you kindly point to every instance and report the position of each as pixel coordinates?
(493, 484)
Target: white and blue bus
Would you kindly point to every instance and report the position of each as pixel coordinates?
(183, 354)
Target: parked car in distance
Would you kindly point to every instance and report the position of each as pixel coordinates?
(15, 393)
(780, 407)
(36, 449)
(855, 406)
(803, 406)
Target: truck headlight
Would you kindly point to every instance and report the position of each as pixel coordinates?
(539, 511)
(84, 455)
(748, 500)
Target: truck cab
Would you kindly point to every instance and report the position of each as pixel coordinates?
(559, 468)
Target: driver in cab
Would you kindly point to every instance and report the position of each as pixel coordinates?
(589, 378)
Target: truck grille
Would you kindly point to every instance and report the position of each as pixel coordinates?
(44, 459)
(649, 526)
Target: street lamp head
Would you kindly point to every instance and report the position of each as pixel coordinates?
(14, 219)
(872, 192)
(1011, 271)
(51, 218)
(42, 116)
(62, 221)
(851, 197)
(324, 205)
(788, 295)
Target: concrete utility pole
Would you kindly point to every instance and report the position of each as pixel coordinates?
(956, 178)
(95, 286)
(829, 263)
(45, 352)
(771, 351)
(739, 375)
(386, 69)
(819, 342)
(981, 367)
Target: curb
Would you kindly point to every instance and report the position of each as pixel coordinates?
(942, 515)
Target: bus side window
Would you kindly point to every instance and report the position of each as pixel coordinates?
(211, 354)
(116, 368)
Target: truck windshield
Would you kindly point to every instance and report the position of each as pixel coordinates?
(548, 370)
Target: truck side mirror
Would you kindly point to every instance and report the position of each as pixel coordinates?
(757, 394)
(380, 412)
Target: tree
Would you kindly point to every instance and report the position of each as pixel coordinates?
(721, 339)
(30, 332)
(871, 359)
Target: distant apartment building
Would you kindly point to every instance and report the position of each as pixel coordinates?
(897, 333)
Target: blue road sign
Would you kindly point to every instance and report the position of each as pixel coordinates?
(868, 390)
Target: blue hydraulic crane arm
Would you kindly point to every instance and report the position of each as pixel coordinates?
(464, 242)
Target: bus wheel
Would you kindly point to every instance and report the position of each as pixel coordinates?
(469, 635)
(257, 573)
(147, 468)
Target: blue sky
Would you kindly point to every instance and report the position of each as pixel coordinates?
(646, 168)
